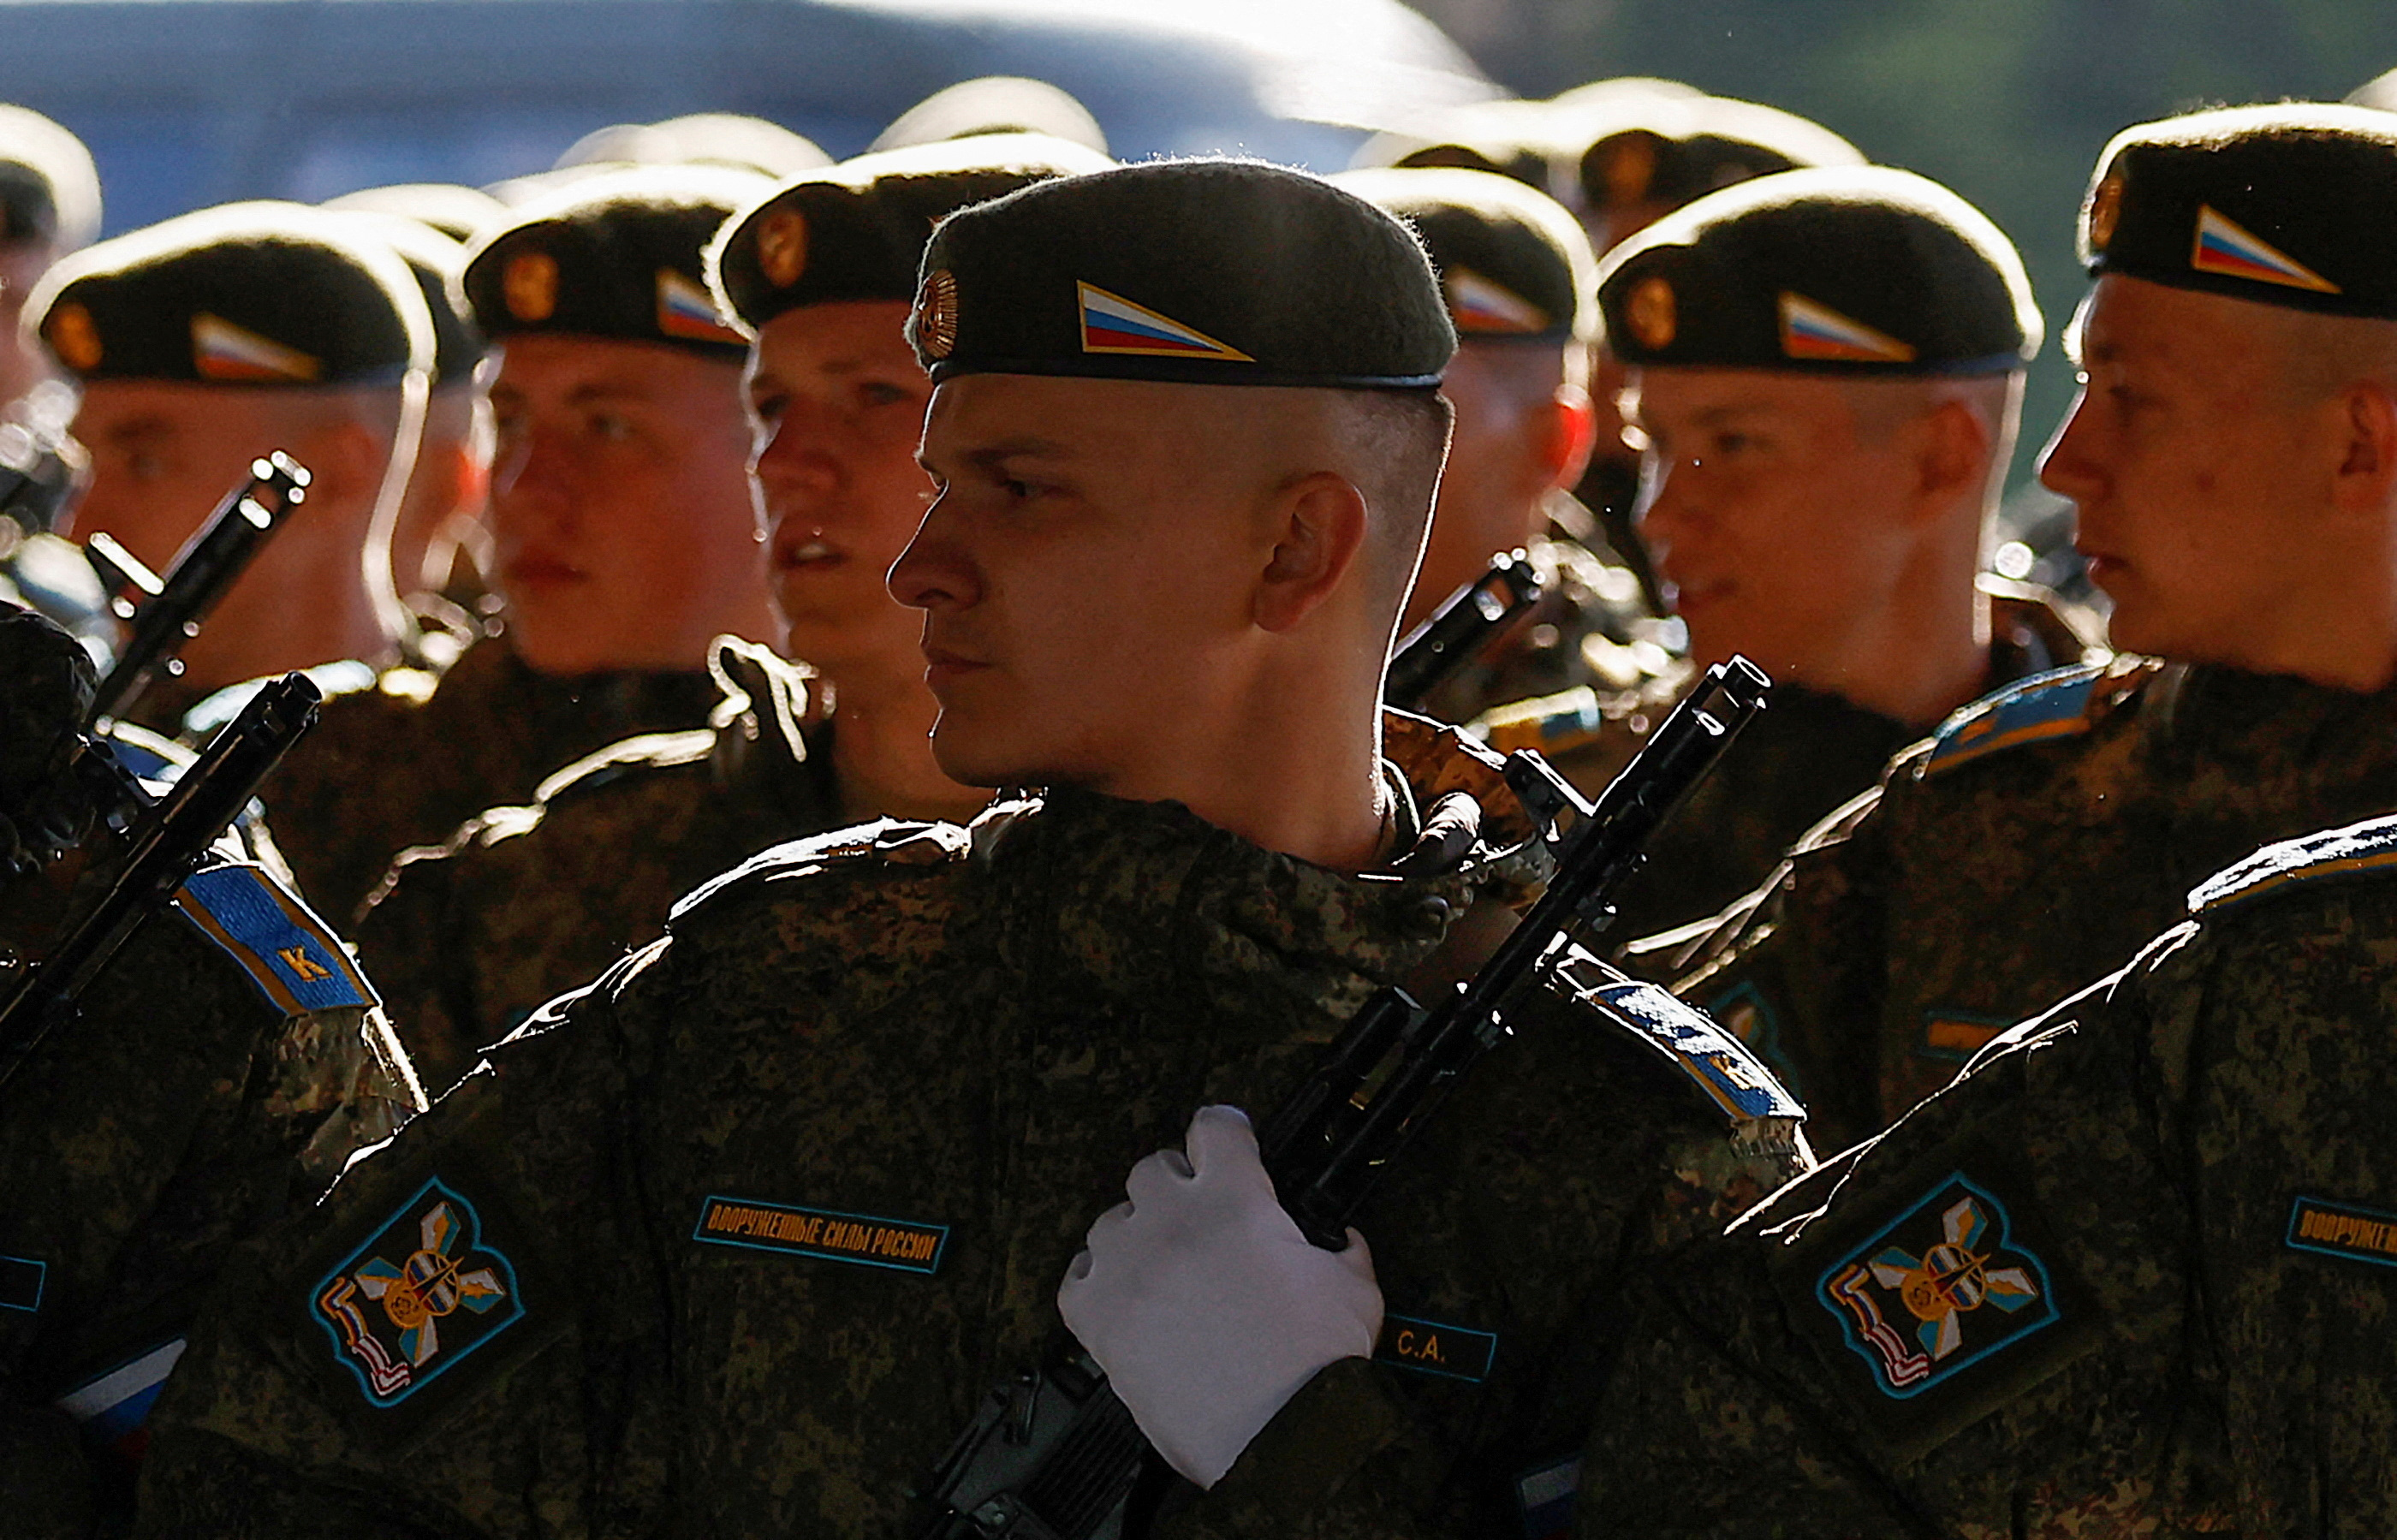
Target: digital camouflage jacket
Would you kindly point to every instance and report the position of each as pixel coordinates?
(2133, 1274)
(408, 759)
(1809, 753)
(735, 1241)
(464, 939)
(220, 1072)
(2032, 846)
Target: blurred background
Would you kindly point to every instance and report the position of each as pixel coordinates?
(186, 103)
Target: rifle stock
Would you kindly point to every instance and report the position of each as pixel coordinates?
(1054, 1453)
(165, 844)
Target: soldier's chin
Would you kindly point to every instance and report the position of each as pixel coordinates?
(971, 755)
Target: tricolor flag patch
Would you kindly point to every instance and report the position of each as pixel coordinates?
(113, 1408)
(1113, 324)
(223, 351)
(1480, 306)
(2224, 246)
(686, 311)
(1816, 331)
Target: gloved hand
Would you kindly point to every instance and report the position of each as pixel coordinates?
(1205, 1305)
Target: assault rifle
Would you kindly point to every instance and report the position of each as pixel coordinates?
(158, 846)
(173, 608)
(1467, 622)
(1053, 1455)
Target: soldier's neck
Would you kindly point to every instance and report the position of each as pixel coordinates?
(882, 751)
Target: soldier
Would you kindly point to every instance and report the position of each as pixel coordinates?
(829, 1142)
(441, 518)
(218, 1074)
(49, 207)
(1522, 292)
(1630, 158)
(525, 903)
(208, 340)
(1829, 365)
(2044, 832)
(616, 397)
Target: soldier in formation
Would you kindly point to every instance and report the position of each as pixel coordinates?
(2043, 834)
(217, 1077)
(524, 903)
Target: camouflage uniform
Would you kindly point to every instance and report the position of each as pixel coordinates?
(408, 759)
(1809, 753)
(934, 1052)
(206, 1089)
(2028, 847)
(523, 904)
(2176, 1194)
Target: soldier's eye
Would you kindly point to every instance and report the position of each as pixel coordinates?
(878, 394)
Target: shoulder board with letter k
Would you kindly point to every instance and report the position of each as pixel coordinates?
(291, 956)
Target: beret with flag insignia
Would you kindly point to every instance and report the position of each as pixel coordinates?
(617, 255)
(1512, 261)
(1206, 272)
(856, 230)
(1862, 270)
(270, 294)
(2286, 205)
(434, 260)
(1669, 150)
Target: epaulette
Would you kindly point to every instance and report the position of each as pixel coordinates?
(291, 956)
(1760, 1110)
(1573, 718)
(2062, 704)
(2358, 850)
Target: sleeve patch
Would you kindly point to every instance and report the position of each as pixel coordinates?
(1716, 1062)
(287, 952)
(2357, 850)
(416, 1298)
(2043, 706)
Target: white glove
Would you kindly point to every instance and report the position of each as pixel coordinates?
(1205, 1305)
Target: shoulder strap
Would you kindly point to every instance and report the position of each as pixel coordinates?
(289, 954)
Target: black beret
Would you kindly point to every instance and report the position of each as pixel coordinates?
(994, 104)
(1513, 264)
(461, 213)
(857, 231)
(275, 294)
(1649, 148)
(1848, 271)
(1507, 137)
(1208, 272)
(701, 139)
(434, 262)
(50, 190)
(617, 255)
(2288, 205)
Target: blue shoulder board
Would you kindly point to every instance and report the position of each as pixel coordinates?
(2367, 847)
(297, 963)
(1717, 1063)
(2045, 705)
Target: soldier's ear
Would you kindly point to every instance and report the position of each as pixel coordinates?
(1952, 455)
(2366, 480)
(1319, 526)
(1572, 435)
